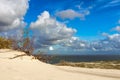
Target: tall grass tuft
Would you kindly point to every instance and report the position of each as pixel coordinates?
(5, 43)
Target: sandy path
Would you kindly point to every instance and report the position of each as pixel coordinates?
(26, 68)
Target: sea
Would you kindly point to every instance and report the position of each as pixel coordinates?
(83, 58)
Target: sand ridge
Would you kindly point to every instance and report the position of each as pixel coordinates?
(27, 68)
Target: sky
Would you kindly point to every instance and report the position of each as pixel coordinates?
(64, 26)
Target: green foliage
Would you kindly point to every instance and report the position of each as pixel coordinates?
(5, 43)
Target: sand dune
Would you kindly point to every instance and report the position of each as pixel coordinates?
(13, 67)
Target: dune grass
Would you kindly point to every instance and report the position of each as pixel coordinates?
(97, 64)
(5, 43)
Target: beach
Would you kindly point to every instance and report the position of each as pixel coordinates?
(16, 65)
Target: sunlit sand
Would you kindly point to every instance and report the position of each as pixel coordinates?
(23, 67)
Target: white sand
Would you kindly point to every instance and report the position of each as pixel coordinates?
(26, 68)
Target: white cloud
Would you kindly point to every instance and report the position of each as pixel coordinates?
(114, 36)
(49, 31)
(114, 2)
(111, 3)
(71, 14)
(108, 44)
(111, 42)
(12, 13)
(105, 34)
(80, 5)
(16, 35)
(75, 43)
(117, 28)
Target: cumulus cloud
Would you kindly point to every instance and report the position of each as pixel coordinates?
(117, 28)
(48, 31)
(12, 13)
(16, 34)
(111, 42)
(75, 43)
(71, 14)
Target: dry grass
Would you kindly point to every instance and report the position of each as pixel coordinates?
(99, 64)
(5, 43)
(43, 58)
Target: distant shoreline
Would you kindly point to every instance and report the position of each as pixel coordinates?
(97, 64)
(53, 59)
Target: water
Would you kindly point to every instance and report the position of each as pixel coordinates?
(83, 58)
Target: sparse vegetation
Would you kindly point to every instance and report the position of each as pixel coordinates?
(98, 64)
(24, 44)
(43, 58)
(5, 43)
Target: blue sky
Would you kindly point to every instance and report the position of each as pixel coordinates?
(100, 19)
(64, 26)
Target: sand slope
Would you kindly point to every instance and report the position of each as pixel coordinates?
(26, 68)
